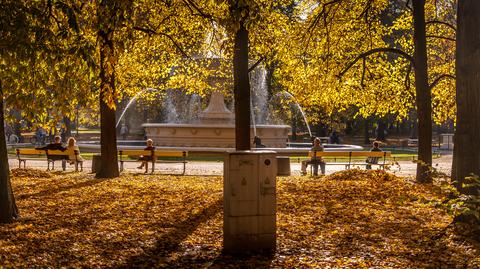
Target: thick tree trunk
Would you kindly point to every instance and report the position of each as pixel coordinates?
(108, 141)
(466, 154)
(108, 136)
(241, 89)
(8, 208)
(424, 99)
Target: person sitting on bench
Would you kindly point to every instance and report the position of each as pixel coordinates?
(145, 159)
(314, 161)
(56, 145)
(72, 147)
(373, 160)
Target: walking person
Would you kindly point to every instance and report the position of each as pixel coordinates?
(124, 131)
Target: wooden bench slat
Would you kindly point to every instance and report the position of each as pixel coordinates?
(135, 152)
(157, 153)
(350, 154)
(29, 151)
(57, 152)
(170, 153)
(371, 153)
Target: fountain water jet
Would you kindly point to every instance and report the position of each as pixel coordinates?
(289, 95)
(134, 98)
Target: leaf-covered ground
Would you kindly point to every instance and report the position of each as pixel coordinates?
(352, 219)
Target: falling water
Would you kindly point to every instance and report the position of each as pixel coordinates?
(259, 95)
(194, 108)
(170, 108)
(289, 95)
(130, 103)
(253, 118)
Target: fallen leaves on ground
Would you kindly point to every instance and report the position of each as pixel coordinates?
(372, 220)
(361, 174)
(30, 173)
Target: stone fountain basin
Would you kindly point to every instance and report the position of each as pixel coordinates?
(212, 135)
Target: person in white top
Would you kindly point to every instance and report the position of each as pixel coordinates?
(72, 146)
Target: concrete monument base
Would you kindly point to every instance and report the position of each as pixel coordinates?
(249, 191)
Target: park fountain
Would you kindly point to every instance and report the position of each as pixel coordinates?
(215, 128)
(188, 127)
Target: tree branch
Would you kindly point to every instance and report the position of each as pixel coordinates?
(407, 78)
(153, 32)
(256, 64)
(407, 5)
(190, 4)
(439, 78)
(441, 37)
(442, 23)
(377, 50)
(363, 73)
(320, 14)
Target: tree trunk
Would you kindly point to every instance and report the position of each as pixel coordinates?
(380, 134)
(108, 136)
(424, 99)
(466, 153)
(366, 133)
(8, 208)
(68, 127)
(241, 89)
(270, 79)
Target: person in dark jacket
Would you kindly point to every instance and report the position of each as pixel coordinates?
(146, 158)
(373, 160)
(334, 138)
(56, 145)
(315, 161)
(257, 141)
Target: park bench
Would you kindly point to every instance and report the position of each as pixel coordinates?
(24, 154)
(374, 155)
(157, 156)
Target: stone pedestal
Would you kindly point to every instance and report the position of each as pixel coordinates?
(446, 141)
(96, 163)
(283, 166)
(249, 191)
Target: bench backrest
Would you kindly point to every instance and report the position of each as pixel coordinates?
(27, 151)
(153, 153)
(56, 152)
(350, 154)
